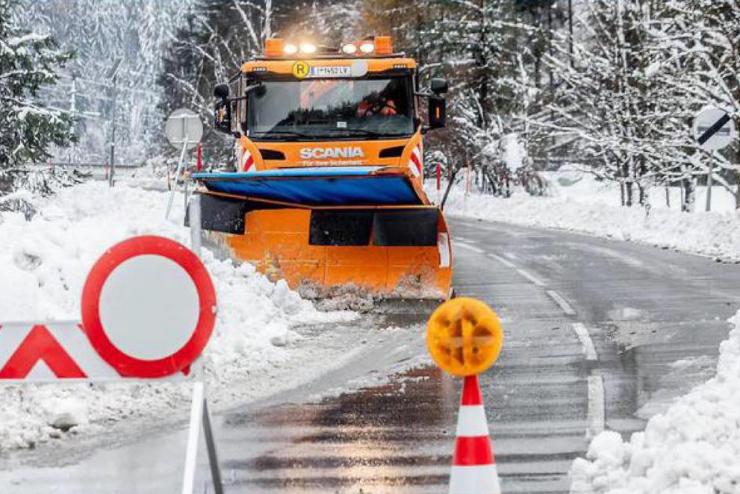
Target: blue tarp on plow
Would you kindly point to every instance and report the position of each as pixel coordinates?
(317, 186)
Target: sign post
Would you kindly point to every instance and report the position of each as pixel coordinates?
(184, 131)
(129, 331)
(439, 181)
(713, 129)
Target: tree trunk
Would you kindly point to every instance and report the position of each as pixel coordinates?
(667, 196)
(689, 188)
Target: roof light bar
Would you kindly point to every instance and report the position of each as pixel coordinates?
(307, 48)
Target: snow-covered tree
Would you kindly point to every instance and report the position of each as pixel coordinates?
(698, 64)
(100, 32)
(28, 125)
(216, 38)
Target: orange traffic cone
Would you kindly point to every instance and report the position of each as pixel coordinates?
(473, 466)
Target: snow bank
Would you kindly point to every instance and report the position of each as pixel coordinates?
(43, 265)
(693, 448)
(713, 233)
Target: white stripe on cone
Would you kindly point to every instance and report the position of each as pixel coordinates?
(481, 479)
(471, 421)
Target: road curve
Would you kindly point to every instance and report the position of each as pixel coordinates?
(599, 334)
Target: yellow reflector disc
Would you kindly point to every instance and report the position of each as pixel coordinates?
(464, 336)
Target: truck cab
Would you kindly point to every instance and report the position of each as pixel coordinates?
(303, 105)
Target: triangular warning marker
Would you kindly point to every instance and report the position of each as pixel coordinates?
(40, 344)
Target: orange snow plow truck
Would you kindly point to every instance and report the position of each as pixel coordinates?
(328, 190)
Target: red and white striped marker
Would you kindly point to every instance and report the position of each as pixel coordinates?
(247, 162)
(416, 162)
(473, 465)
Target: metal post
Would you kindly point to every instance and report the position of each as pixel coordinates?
(113, 136)
(191, 453)
(195, 224)
(449, 186)
(218, 486)
(200, 415)
(709, 184)
(177, 174)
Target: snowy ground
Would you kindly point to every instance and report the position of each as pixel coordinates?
(579, 203)
(692, 448)
(43, 264)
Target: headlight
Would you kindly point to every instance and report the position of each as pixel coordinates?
(308, 48)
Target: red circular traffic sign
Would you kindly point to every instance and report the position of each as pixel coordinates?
(148, 307)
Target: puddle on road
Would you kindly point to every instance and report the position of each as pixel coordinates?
(379, 438)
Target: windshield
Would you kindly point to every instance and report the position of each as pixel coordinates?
(331, 108)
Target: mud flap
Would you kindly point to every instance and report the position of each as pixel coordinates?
(223, 214)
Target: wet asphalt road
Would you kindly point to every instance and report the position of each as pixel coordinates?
(599, 334)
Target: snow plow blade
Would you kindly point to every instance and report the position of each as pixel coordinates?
(329, 230)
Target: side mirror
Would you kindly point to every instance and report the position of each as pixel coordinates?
(437, 112)
(439, 86)
(222, 120)
(221, 91)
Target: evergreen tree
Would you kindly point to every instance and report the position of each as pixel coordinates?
(28, 61)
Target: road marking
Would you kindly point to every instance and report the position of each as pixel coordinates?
(503, 261)
(596, 409)
(531, 277)
(470, 247)
(567, 308)
(586, 342)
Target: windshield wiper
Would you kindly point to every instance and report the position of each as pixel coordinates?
(367, 132)
(276, 132)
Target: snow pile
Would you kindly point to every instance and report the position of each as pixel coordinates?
(43, 265)
(713, 233)
(693, 448)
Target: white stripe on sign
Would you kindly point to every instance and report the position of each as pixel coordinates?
(531, 277)
(468, 479)
(11, 336)
(78, 347)
(503, 261)
(596, 411)
(41, 372)
(564, 305)
(471, 421)
(585, 339)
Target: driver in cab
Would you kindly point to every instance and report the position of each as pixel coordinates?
(376, 104)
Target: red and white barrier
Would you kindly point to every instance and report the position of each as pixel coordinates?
(473, 464)
(148, 311)
(56, 351)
